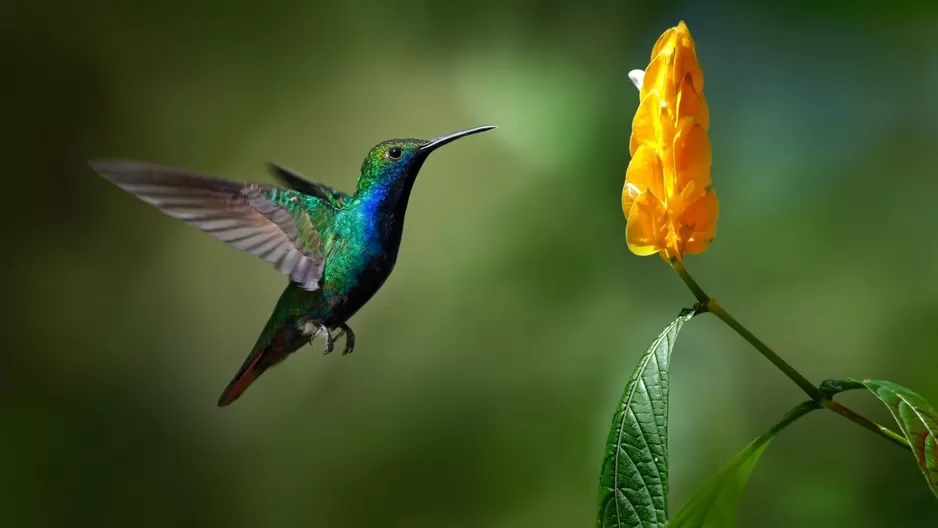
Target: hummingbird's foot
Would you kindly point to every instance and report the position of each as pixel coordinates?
(349, 338)
(327, 337)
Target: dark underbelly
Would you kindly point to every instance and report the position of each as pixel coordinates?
(369, 282)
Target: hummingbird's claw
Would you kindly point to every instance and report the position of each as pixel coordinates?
(329, 345)
(349, 338)
(330, 339)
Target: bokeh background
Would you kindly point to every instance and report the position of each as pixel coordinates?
(488, 366)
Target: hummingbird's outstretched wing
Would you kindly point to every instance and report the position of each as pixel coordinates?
(297, 182)
(278, 225)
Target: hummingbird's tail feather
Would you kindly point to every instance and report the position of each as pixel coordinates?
(242, 380)
(267, 353)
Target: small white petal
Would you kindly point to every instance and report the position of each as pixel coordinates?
(633, 190)
(637, 77)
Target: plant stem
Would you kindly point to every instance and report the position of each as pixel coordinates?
(863, 421)
(695, 288)
(792, 415)
(712, 306)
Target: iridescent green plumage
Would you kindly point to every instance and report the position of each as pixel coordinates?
(337, 249)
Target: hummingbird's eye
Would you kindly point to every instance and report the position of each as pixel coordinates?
(394, 152)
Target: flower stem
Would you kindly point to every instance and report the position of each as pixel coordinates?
(695, 288)
(711, 305)
(714, 307)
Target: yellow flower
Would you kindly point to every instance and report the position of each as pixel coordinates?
(668, 201)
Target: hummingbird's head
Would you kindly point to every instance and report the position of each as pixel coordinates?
(394, 164)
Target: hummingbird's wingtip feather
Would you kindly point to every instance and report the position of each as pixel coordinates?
(107, 169)
(117, 170)
(100, 166)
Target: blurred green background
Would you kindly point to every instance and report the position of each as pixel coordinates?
(488, 366)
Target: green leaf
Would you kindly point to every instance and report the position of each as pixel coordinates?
(713, 505)
(917, 420)
(633, 489)
(833, 386)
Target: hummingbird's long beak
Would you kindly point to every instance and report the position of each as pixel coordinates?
(436, 143)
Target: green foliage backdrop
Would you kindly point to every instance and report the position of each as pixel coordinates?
(482, 384)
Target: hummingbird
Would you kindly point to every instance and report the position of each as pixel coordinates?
(336, 248)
